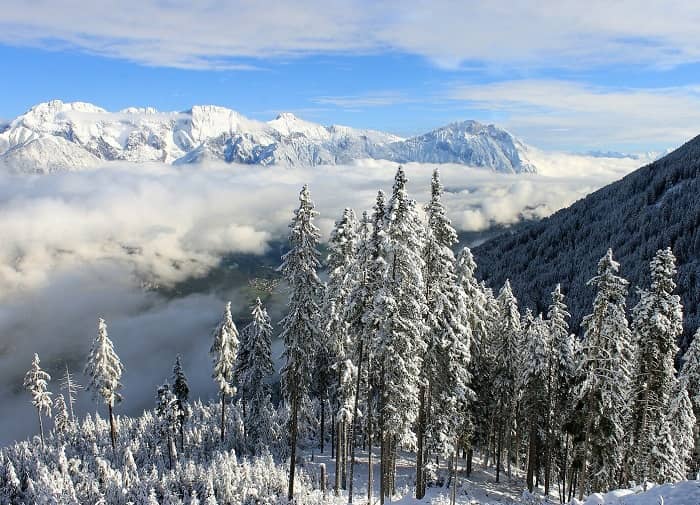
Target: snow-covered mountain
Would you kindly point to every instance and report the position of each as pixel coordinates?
(70, 136)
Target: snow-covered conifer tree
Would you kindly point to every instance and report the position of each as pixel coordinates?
(606, 370)
(61, 421)
(683, 424)
(657, 323)
(563, 361)
(366, 274)
(181, 390)
(224, 351)
(36, 381)
(400, 309)
(445, 376)
(535, 380)
(334, 360)
(300, 327)
(690, 381)
(104, 371)
(508, 362)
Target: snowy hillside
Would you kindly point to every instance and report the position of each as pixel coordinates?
(70, 136)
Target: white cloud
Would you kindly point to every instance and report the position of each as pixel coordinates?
(218, 33)
(76, 246)
(552, 112)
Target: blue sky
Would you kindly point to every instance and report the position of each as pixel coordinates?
(561, 76)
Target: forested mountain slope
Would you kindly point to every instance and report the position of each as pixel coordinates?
(656, 206)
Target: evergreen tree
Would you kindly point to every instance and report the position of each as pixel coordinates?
(400, 309)
(104, 371)
(690, 381)
(61, 420)
(683, 424)
(563, 363)
(606, 386)
(181, 390)
(169, 416)
(508, 362)
(334, 361)
(36, 381)
(224, 351)
(535, 381)
(445, 376)
(300, 327)
(366, 278)
(257, 369)
(657, 324)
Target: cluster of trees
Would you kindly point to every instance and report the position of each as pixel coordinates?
(402, 348)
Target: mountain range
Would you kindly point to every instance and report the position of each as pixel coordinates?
(654, 207)
(56, 135)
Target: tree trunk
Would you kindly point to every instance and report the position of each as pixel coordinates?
(531, 454)
(333, 451)
(338, 457)
(112, 430)
(323, 423)
(470, 457)
(453, 492)
(420, 455)
(223, 414)
(41, 427)
(498, 454)
(294, 429)
(370, 476)
(586, 448)
(354, 421)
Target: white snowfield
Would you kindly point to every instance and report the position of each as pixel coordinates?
(56, 136)
(682, 493)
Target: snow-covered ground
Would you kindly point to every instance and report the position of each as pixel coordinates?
(480, 487)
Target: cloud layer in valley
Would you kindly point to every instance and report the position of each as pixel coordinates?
(80, 245)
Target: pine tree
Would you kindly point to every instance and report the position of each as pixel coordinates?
(300, 328)
(563, 362)
(104, 370)
(181, 390)
(606, 369)
(366, 277)
(61, 419)
(508, 361)
(683, 424)
(657, 324)
(334, 360)
(445, 376)
(169, 416)
(71, 387)
(400, 308)
(224, 351)
(690, 381)
(36, 381)
(535, 380)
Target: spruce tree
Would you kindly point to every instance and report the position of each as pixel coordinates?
(224, 351)
(683, 424)
(300, 327)
(181, 390)
(399, 308)
(690, 381)
(366, 278)
(104, 371)
(335, 360)
(606, 369)
(445, 375)
(61, 417)
(508, 348)
(563, 362)
(535, 381)
(36, 381)
(657, 324)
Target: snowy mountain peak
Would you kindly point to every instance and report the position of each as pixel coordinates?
(60, 135)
